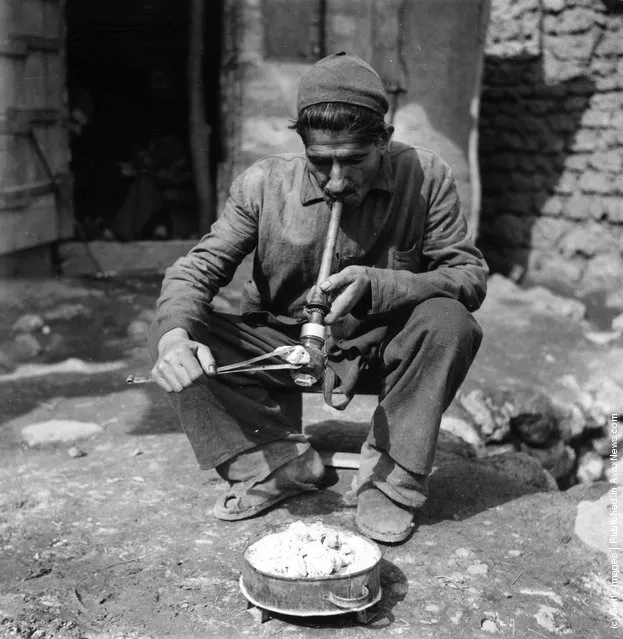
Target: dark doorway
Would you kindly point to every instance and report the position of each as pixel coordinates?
(127, 64)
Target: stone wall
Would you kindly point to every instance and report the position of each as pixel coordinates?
(551, 141)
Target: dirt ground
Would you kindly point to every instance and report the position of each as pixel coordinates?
(119, 541)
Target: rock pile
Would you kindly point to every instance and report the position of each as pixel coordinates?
(571, 441)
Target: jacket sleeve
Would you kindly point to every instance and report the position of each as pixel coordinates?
(190, 284)
(451, 265)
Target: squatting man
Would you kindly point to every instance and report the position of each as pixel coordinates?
(405, 280)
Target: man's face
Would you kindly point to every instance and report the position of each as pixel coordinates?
(343, 166)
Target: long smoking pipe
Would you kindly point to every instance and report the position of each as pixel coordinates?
(313, 332)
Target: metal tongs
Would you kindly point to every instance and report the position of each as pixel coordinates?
(293, 357)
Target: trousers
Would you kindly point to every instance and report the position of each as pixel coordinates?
(420, 358)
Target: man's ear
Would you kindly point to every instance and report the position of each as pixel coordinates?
(386, 137)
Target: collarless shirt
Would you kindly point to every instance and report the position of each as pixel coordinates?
(409, 233)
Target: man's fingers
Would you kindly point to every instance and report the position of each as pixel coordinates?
(342, 305)
(340, 280)
(206, 359)
(334, 282)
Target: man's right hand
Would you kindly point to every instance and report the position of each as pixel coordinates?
(181, 361)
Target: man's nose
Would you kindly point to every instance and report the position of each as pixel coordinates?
(336, 184)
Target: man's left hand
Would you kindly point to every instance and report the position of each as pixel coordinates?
(348, 287)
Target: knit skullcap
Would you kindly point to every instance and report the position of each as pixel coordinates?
(343, 77)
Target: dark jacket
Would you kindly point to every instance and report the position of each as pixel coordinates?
(409, 232)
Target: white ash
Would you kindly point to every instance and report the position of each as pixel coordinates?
(312, 550)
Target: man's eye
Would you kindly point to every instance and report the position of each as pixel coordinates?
(321, 165)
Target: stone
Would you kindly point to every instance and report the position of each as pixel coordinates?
(499, 286)
(522, 468)
(607, 396)
(29, 323)
(58, 431)
(595, 182)
(591, 467)
(602, 337)
(544, 300)
(603, 272)
(602, 446)
(570, 419)
(476, 405)
(612, 208)
(74, 452)
(609, 161)
(7, 364)
(534, 420)
(585, 241)
(67, 311)
(554, 6)
(614, 299)
(463, 430)
(558, 459)
(27, 346)
(137, 329)
(617, 323)
(552, 268)
(547, 231)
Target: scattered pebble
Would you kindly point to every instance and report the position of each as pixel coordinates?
(591, 467)
(432, 608)
(27, 345)
(602, 337)
(488, 625)
(515, 553)
(74, 451)
(478, 569)
(617, 323)
(29, 323)
(58, 430)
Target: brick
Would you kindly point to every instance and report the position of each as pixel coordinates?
(539, 107)
(586, 240)
(603, 66)
(554, 6)
(613, 209)
(577, 162)
(552, 206)
(547, 231)
(551, 268)
(566, 184)
(608, 161)
(512, 230)
(609, 83)
(562, 122)
(595, 182)
(611, 44)
(596, 119)
(607, 101)
(585, 140)
(576, 20)
(577, 207)
(603, 272)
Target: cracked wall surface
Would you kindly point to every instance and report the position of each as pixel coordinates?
(551, 141)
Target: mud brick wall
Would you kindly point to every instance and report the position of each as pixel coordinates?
(551, 141)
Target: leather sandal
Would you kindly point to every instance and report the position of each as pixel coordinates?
(381, 518)
(300, 475)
